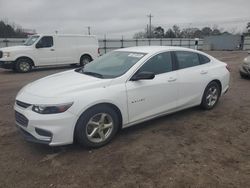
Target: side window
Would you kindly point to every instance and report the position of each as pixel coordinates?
(158, 64)
(187, 59)
(46, 42)
(204, 59)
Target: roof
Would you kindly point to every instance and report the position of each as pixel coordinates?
(153, 49)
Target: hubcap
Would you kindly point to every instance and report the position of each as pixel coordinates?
(24, 66)
(99, 127)
(212, 96)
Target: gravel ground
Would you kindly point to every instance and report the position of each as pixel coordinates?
(191, 148)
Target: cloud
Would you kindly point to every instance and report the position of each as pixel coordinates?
(119, 17)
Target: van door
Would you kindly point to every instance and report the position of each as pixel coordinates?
(45, 51)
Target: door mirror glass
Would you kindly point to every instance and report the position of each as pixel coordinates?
(143, 76)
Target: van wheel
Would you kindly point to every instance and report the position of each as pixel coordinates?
(97, 126)
(211, 96)
(85, 59)
(23, 65)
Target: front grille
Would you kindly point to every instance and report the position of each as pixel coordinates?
(1, 54)
(21, 119)
(23, 104)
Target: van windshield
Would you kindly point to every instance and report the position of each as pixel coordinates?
(111, 65)
(31, 40)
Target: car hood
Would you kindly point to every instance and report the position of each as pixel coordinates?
(14, 48)
(66, 83)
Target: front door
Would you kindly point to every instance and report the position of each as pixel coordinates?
(46, 53)
(147, 98)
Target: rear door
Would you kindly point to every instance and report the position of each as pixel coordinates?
(147, 98)
(193, 76)
(46, 53)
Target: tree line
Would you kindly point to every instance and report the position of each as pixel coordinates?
(177, 32)
(8, 30)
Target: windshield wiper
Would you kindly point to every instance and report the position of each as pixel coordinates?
(93, 74)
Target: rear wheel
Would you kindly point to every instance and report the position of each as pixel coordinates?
(97, 126)
(23, 65)
(85, 59)
(211, 96)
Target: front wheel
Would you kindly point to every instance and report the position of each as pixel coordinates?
(211, 96)
(85, 60)
(23, 65)
(97, 126)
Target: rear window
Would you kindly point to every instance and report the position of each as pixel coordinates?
(187, 59)
(204, 59)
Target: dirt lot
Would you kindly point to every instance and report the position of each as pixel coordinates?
(191, 148)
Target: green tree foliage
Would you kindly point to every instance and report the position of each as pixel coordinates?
(158, 32)
(177, 32)
(10, 31)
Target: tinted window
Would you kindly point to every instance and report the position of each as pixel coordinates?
(46, 42)
(158, 64)
(187, 59)
(204, 59)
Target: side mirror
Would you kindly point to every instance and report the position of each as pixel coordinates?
(143, 76)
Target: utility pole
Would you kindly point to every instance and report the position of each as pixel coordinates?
(88, 30)
(150, 26)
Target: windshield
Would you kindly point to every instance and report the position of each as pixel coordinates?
(112, 65)
(31, 40)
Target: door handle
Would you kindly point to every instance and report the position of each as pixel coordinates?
(52, 49)
(203, 72)
(172, 79)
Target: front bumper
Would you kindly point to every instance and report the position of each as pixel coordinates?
(49, 129)
(7, 64)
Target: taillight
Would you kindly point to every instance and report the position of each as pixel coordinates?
(228, 68)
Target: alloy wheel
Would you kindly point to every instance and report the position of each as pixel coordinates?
(99, 127)
(212, 96)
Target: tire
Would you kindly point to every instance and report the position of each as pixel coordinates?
(243, 76)
(211, 96)
(23, 65)
(90, 129)
(85, 59)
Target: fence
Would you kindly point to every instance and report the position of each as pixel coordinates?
(246, 43)
(107, 45)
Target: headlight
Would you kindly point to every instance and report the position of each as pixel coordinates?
(6, 54)
(53, 109)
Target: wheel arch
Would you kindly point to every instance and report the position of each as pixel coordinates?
(86, 55)
(113, 106)
(25, 57)
(218, 82)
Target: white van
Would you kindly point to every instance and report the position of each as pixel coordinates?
(46, 50)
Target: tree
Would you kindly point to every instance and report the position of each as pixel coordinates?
(140, 35)
(248, 27)
(158, 32)
(177, 31)
(216, 32)
(9, 31)
(206, 31)
(170, 34)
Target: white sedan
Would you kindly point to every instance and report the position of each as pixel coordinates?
(120, 89)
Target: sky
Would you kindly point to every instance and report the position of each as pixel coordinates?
(116, 18)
